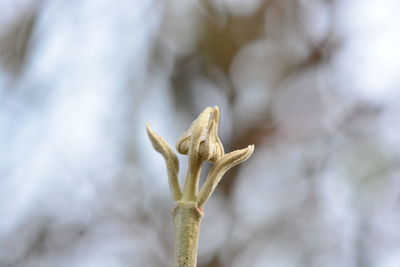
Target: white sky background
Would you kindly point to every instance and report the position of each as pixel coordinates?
(64, 144)
(371, 59)
(51, 147)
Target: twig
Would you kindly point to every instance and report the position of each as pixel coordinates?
(201, 143)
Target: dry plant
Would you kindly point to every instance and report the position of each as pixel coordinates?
(201, 143)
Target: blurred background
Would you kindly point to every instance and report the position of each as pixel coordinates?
(314, 84)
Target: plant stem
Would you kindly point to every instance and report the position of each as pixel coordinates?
(187, 219)
(192, 181)
(201, 143)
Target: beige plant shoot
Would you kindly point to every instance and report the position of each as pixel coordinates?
(200, 143)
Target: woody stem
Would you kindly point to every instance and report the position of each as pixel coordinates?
(187, 219)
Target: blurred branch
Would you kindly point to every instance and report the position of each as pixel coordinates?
(15, 41)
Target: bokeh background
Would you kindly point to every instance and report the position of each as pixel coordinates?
(314, 84)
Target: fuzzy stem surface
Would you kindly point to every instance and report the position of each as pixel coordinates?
(187, 220)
